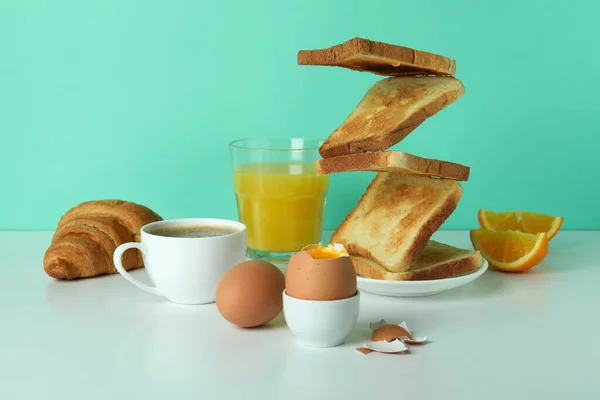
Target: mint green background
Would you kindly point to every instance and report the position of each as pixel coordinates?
(138, 100)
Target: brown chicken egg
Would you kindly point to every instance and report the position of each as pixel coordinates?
(320, 273)
(250, 294)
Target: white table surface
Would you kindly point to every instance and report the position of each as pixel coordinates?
(505, 336)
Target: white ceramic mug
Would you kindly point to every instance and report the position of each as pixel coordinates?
(186, 270)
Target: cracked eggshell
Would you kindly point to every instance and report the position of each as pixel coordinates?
(395, 346)
(308, 278)
(388, 332)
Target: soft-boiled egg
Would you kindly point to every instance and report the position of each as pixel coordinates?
(321, 273)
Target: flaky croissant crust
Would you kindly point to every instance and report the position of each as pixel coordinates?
(88, 234)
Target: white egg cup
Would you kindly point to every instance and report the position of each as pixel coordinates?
(321, 323)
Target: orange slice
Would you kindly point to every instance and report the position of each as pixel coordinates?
(510, 251)
(522, 221)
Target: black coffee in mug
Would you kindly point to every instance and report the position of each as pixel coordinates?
(192, 231)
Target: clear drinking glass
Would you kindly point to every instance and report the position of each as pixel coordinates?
(280, 198)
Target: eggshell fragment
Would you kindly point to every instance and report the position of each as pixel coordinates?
(389, 338)
(389, 333)
(308, 278)
(395, 346)
(249, 294)
(376, 325)
(411, 339)
(384, 331)
(363, 350)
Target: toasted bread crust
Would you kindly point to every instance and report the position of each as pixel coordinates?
(445, 266)
(432, 225)
(394, 162)
(383, 117)
(379, 58)
(333, 147)
(420, 204)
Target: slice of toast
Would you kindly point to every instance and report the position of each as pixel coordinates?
(390, 110)
(379, 58)
(392, 161)
(396, 216)
(438, 261)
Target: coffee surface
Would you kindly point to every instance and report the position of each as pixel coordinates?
(192, 231)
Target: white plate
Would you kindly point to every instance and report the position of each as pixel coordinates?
(417, 288)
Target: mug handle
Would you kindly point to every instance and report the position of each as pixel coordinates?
(117, 260)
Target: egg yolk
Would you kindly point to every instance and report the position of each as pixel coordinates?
(331, 251)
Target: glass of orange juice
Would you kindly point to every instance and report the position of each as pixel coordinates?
(280, 198)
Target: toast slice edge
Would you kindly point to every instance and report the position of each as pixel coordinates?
(379, 58)
(392, 161)
(455, 262)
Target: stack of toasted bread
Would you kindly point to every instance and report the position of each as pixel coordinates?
(388, 233)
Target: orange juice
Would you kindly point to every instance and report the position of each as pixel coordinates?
(281, 203)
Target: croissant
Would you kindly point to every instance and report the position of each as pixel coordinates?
(88, 234)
